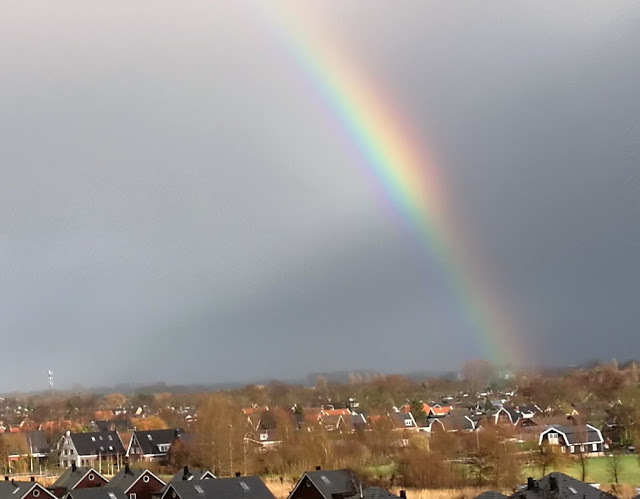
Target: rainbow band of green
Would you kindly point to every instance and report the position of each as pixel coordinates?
(399, 164)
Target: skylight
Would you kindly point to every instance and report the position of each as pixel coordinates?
(149, 437)
(112, 495)
(244, 486)
(198, 489)
(325, 479)
(574, 491)
(16, 490)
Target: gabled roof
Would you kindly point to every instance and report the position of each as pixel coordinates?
(96, 493)
(188, 474)
(559, 486)
(331, 483)
(402, 420)
(72, 476)
(127, 477)
(18, 490)
(103, 443)
(37, 442)
(242, 487)
(149, 440)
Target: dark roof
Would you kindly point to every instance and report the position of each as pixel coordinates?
(491, 494)
(565, 487)
(188, 474)
(149, 440)
(34, 442)
(96, 493)
(71, 476)
(37, 441)
(105, 443)
(579, 434)
(243, 487)
(111, 425)
(8, 489)
(127, 476)
(400, 419)
(333, 483)
(376, 493)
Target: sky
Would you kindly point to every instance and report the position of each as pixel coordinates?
(180, 203)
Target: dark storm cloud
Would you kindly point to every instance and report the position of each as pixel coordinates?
(170, 180)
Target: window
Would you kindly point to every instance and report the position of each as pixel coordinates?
(145, 479)
(15, 490)
(91, 477)
(36, 493)
(582, 448)
(110, 437)
(573, 491)
(553, 438)
(131, 496)
(111, 447)
(149, 437)
(325, 479)
(594, 447)
(199, 489)
(93, 439)
(571, 449)
(407, 422)
(244, 486)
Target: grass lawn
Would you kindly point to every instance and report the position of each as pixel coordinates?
(598, 470)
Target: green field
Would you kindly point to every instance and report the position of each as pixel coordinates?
(598, 470)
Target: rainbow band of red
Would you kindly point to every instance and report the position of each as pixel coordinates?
(401, 165)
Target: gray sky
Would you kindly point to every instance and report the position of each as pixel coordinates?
(177, 203)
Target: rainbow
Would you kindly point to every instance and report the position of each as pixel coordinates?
(403, 168)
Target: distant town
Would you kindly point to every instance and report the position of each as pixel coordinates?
(487, 432)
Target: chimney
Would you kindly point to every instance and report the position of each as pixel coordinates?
(531, 483)
(73, 466)
(33, 478)
(6, 478)
(238, 473)
(553, 483)
(127, 470)
(318, 468)
(403, 494)
(185, 473)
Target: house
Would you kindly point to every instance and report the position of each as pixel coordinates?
(76, 477)
(96, 493)
(151, 445)
(559, 486)
(239, 487)
(31, 445)
(452, 424)
(336, 484)
(330, 484)
(518, 415)
(403, 421)
(578, 439)
(136, 483)
(87, 449)
(23, 490)
(186, 474)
